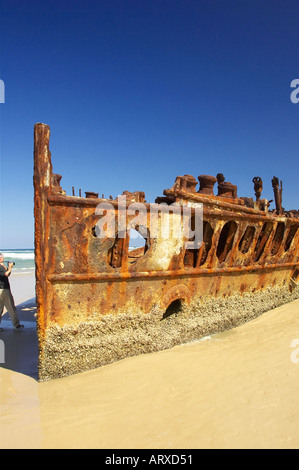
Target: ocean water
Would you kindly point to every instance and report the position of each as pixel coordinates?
(23, 259)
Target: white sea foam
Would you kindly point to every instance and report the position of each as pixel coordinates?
(19, 254)
(23, 258)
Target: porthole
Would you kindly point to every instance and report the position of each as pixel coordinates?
(290, 237)
(173, 308)
(226, 240)
(262, 240)
(207, 241)
(277, 239)
(246, 239)
(191, 255)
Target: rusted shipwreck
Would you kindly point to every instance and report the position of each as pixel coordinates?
(99, 302)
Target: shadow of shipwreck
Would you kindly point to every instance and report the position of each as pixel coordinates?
(20, 348)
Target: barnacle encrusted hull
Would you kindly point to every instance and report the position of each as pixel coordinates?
(72, 349)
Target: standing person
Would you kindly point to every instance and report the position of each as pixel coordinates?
(6, 298)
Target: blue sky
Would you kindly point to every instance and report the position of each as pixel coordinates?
(137, 92)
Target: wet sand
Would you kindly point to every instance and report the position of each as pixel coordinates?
(237, 389)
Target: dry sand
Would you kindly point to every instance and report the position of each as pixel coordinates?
(237, 389)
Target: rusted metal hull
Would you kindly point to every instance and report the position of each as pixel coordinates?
(98, 302)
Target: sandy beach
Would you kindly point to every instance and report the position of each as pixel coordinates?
(237, 389)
